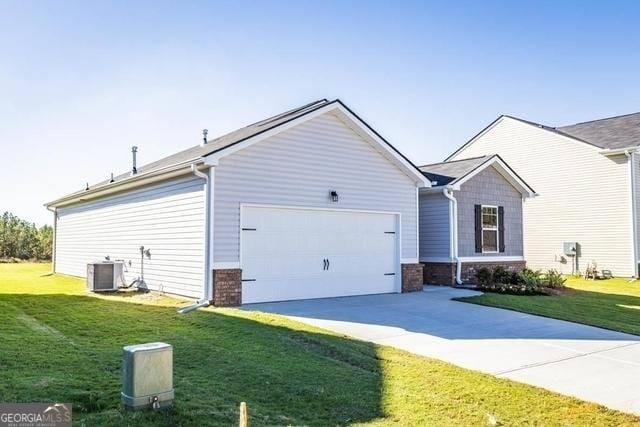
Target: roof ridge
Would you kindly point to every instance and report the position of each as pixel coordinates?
(293, 111)
(454, 161)
(598, 120)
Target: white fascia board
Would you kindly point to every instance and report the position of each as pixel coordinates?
(503, 170)
(353, 122)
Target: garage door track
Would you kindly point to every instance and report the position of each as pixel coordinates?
(586, 362)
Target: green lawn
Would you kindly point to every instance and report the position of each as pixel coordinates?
(611, 304)
(59, 344)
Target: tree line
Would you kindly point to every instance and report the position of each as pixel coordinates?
(23, 240)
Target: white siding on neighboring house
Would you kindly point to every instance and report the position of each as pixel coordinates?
(168, 219)
(434, 226)
(583, 196)
(299, 167)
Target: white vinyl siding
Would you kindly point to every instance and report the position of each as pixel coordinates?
(583, 196)
(435, 239)
(167, 218)
(299, 167)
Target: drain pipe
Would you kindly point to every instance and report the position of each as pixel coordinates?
(53, 238)
(453, 226)
(631, 156)
(204, 302)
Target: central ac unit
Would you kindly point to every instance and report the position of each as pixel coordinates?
(104, 276)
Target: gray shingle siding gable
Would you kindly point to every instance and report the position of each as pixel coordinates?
(489, 188)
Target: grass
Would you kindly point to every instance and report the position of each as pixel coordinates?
(60, 344)
(612, 304)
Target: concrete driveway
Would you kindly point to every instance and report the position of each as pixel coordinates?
(589, 363)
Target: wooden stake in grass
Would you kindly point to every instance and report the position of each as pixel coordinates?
(244, 415)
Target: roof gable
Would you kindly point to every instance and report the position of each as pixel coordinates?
(350, 119)
(454, 174)
(610, 133)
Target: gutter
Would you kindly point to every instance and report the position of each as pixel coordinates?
(453, 226)
(133, 181)
(614, 152)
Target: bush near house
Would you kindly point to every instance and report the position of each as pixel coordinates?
(526, 282)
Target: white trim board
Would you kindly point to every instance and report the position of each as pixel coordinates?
(473, 259)
(490, 258)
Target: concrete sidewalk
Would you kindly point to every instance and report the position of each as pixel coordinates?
(586, 362)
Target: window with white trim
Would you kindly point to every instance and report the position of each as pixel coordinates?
(490, 229)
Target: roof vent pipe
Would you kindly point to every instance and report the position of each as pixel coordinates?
(204, 136)
(134, 151)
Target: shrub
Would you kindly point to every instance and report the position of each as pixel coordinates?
(500, 275)
(553, 279)
(527, 282)
(484, 276)
(531, 278)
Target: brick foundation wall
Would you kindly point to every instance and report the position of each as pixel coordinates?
(470, 269)
(411, 277)
(227, 287)
(444, 273)
(439, 273)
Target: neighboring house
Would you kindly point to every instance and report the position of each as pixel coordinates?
(310, 203)
(587, 177)
(470, 218)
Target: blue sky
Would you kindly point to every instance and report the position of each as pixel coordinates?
(80, 82)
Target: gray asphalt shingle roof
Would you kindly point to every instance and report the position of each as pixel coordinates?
(447, 172)
(219, 143)
(609, 133)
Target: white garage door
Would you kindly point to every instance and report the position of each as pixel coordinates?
(290, 254)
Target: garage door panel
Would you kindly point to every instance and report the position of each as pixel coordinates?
(283, 252)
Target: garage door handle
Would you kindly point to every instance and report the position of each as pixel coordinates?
(324, 264)
(328, 264)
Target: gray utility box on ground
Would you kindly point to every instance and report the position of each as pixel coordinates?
(147, 375)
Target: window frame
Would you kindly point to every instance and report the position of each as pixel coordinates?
(491, 228)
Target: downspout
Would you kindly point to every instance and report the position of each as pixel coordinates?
(453, 226)
(631, 155)
(53, 238)
(206, 297)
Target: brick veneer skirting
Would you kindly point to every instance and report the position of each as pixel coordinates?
(227, 287)
(444, 273)
(411, 277)
(439, 273)
(470, 269)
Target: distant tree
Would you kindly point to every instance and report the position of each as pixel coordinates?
(23, 240)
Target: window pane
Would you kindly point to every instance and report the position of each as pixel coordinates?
(489, 220)
(489, 210)
(489, 240)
